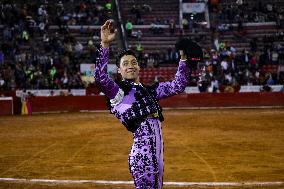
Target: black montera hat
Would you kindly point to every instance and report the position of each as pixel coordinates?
(192, 50)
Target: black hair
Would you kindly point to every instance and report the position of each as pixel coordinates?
(123, 53)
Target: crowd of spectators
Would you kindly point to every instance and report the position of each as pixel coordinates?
(52, 60)
(248, 66)
(223, 66)
(138, 10)
(61, 13)
(33, 56)
(242, 11)
(224, 69)
(156, 58)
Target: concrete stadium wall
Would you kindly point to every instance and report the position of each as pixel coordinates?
(77, 103)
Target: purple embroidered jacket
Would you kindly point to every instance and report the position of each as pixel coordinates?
(132, 103)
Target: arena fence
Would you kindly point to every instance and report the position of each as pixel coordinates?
(186, 101)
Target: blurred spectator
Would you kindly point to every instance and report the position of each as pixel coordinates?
(265, 88)
(137, 34)
(26, 104)
(224, 65)
(156, 27)
(108, 6)
(7, 34)
(214, 5)
(253, 63)
(65, 81)
(139, 49)
(253, 45)
(224, 28)
(51, 93)
(214, 86)
(25, 36)
(2, 82)
(78, 49)
(52, 73)
(1, 58)
(172, 54)
(150, 61)
(136, 10)
(146, 8)
(229, 89)
(239, 2)
(129, 28)
(172, 26)
(270, 80)
(274, 57)
(69, 92)
(185, 24)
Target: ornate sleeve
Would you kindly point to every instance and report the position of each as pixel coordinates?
(107, 85)
(170, 88)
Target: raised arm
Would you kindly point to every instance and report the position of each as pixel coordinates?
(108, 86)
(170, 88)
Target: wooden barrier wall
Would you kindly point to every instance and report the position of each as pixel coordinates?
(225, 100)
(77, 103)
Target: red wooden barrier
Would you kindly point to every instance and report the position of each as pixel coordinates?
(225, 100)
(77, 103)
(67, 103)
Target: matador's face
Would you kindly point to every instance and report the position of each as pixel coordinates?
(129, 68)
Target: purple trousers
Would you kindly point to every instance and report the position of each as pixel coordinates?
(146, 161)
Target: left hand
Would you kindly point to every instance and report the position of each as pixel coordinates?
(182, 55)
(108, 33)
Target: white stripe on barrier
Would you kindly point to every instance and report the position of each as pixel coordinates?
(18, 180)
(6, 98)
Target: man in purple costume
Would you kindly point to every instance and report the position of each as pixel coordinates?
(136, 106)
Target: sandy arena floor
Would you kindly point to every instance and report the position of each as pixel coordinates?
(232, 145)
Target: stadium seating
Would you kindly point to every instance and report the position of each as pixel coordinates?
(152, 43)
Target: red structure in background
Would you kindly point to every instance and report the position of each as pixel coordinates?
(225, 100)
(6, 106)
(68, 103)
(202, 100)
